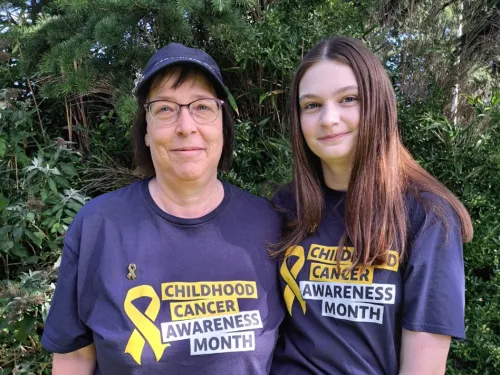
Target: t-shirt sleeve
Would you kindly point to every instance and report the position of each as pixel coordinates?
(64, 332)
(434, 281)
(284, 203)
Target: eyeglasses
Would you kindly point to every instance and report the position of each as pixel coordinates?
(203, 111)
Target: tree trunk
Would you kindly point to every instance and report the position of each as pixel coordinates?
(456, 88)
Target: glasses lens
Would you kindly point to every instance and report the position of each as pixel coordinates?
(204, 110)
(164, 111)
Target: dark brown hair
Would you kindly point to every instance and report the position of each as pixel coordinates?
(383, 173)
(186, 72)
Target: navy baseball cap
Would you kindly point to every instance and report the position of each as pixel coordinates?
(177, 54)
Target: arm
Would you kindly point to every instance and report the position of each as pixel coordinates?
(79, 362)
(434, 291)
(423, 353)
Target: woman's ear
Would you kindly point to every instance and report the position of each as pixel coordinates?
(146, 139)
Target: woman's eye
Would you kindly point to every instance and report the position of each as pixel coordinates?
(349, 99)
(164, 108)
(311, 106)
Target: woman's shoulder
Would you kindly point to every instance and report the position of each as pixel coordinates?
(114, 202)
(427, 209)
(252, 207)
(283, 197)
(245, 197)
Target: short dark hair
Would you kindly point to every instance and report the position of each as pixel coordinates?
(142, 154)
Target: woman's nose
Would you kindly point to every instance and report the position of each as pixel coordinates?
(185, 122)
(330, 115)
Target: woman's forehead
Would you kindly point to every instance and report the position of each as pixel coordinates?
(170, 81)
(327, 77)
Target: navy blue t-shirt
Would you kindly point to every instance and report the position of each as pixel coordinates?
(341, 322)
(158, 294)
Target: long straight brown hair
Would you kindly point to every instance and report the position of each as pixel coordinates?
(383, 174)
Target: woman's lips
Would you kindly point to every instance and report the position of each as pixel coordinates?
(187, 149)
(333, 137)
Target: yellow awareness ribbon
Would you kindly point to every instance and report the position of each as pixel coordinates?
(145, 329)
(292, 289)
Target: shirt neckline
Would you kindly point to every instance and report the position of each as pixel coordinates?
(186, 221)
(329, 192)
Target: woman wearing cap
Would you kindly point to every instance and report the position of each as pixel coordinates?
(373, 277)
(170, 275)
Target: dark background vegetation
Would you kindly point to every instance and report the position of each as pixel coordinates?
(66, 74)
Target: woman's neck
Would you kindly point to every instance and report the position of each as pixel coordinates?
(337, 176)
(187, 200)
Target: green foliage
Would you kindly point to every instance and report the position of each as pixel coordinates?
(23, 308)
(259, 163)
(272, 47)
(37, 203)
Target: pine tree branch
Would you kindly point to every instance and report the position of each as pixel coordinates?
(138, 5)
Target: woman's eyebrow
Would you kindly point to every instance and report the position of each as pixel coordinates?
(336, 92)
(172, 98)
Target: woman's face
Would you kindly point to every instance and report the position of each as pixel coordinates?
(330, 111)
(184, 151)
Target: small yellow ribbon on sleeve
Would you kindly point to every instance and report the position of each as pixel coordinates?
(145, 329)
(292, 289)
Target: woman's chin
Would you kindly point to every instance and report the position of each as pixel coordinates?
(336, 158)
(191, 173)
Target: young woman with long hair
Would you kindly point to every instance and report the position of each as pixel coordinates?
(371, 257)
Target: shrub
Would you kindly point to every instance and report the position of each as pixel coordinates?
(37, 203)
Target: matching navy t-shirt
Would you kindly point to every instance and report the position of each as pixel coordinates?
(350, 322)
(158, 294)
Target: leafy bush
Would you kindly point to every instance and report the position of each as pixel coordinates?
(37, 203)
(259, 162)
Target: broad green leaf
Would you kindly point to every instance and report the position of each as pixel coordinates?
(4, 202)
(67, 220)
(69, 213)
(25, 327)
(32, 259)
(52, 186)
(16, 47)
(74, 206)
(232, 102)
(19, 251)
(69, 170)
(55, 228)
(264, 122)
(33, 237)
(3, 147)
(17, 232)
(6, 229)
(6, 246)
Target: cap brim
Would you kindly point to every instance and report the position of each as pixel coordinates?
(221, 90)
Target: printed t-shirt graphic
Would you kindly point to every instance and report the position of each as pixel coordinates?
(348, 320)
(204, 313)
(346, 292)
(160, 294)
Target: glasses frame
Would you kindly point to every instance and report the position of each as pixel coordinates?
(147, 107)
